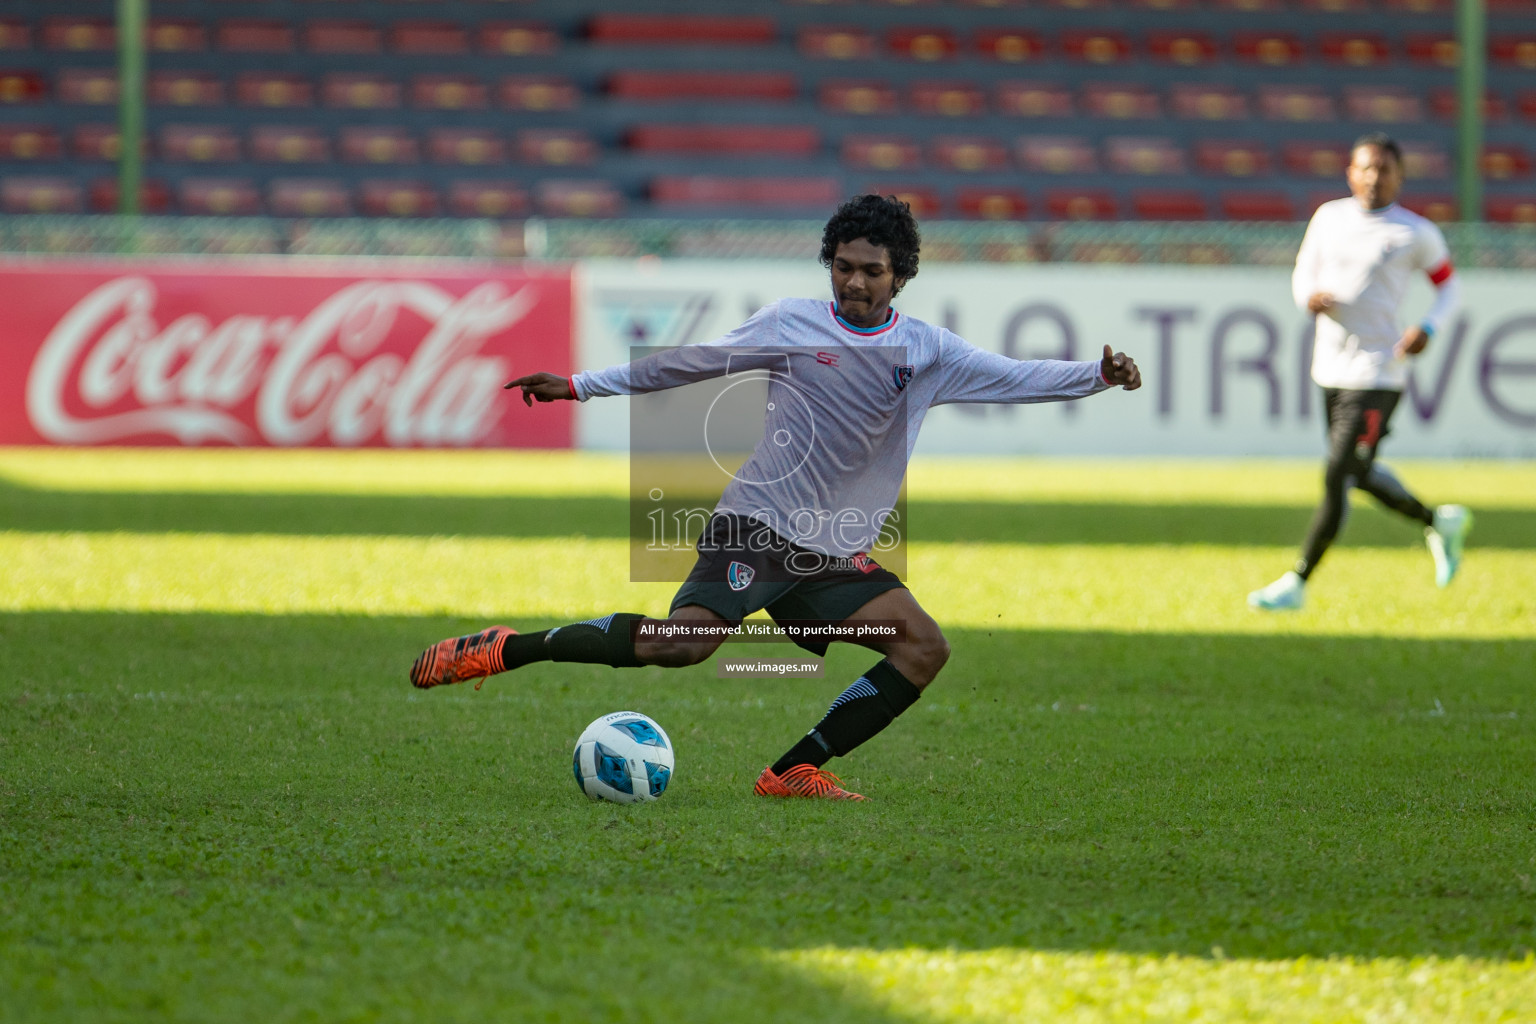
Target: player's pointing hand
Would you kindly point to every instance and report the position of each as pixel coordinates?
(543, 387)
(1119, 368)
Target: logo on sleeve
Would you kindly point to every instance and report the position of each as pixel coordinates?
(901, 375)
(739, 575)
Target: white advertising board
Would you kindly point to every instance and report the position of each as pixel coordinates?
(1224, 354)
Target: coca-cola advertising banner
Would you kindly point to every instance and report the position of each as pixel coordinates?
(279, 354)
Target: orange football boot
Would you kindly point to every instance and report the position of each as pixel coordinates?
(803, 780)
(461, 658)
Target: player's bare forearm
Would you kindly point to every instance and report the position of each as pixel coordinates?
(543, 387)
(1412, 342)
(1119, 368)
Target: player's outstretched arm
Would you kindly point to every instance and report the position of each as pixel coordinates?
(1119, 368)
(543, 387)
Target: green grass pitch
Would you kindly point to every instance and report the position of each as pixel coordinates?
(1128, 797)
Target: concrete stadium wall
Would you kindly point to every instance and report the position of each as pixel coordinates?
(1224, 353)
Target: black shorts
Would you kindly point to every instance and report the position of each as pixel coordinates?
(1357, 422)
(744, 566)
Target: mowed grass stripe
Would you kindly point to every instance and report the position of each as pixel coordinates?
(1118, 588)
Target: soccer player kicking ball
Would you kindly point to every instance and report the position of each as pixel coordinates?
(793, 528)
(1354, 264)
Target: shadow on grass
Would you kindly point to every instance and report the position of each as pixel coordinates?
(28, 509)
(1272, 796)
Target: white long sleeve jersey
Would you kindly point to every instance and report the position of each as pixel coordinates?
(844, 407)
(1365, 259)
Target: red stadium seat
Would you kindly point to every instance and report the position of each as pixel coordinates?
(1439, 208)
(1315, 159)
(428, 38)
(1232, 159)
(736, 140)
(555, 147)
(835, 42)
(1335, 6)
(1438, 51)
(846, 97)
(1010, 45)
(968, 153)
(1356, 49)
(1121, 101)
(1425, 160)
(449, 92)
(15, 34)
(991, 203)
(1138, 154)
(670, 86)
(92, 86)
(39, 194)
(577, 198)
(79, 35)
(29, 142)
(1056, 154)
(328, 35)
(276, 89)
(1511, 209)
(1504, 163)
(175, 35)
(309, 197)
(379, 144)
(186, 89)
(24, 87)
(1276, 49)
(1096, 47)
(1033, 99)
(359, 90)
(948, 99)
(1296, 103)
(1515, 50)
(199, 143)
(1159, 204)
(681, 30)
(219, 197)
(1257, 206)
(517, 39)
(154, 196)
(289, 144)
(1199, 101)
(923, 200)
(100, 142)
(537, 92)
(487, 199)
(469, 147)
(1250, 5)
(395, 198)
(1445, 103)
(924, 44)
(1080, 204)
(1183, 48)
(881, 152)
(1381, 104)
(1163, 5)
(254, 35)
(750, 193)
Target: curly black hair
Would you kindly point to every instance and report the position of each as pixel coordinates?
(882, 220)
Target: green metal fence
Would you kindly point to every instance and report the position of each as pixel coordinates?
(1213, 244)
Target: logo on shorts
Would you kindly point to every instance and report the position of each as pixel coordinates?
(739, 575)
(901, 375)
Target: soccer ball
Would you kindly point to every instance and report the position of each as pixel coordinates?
(624, 757)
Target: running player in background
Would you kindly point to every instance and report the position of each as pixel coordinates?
(1353, 267)
(858, 377)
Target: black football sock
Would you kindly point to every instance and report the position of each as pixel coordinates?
(860, 712)
(1383, 485)
(609, 640)
(521, 649)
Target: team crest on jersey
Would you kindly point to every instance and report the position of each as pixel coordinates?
(739, 575)
(901, 375)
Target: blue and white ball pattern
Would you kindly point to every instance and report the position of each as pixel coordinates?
(624, 757)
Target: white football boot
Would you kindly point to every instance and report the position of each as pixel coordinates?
(1445, 540)
(1286, 594)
